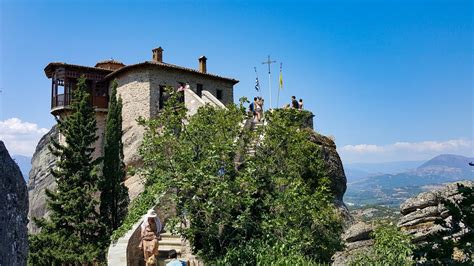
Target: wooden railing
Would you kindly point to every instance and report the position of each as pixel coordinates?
(63, 100)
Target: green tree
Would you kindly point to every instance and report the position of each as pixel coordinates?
(113, 192)
(72, 232)
(294, 193)
(277, 201)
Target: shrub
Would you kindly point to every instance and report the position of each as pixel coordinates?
(391, 247)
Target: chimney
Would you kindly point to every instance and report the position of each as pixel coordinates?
(158, 54)
(202, 64)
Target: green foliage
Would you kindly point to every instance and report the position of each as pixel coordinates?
(259, 252)
(296, 195)
(290, 117)
(391, 247)
(113, 192)
(279, 196)
(72, 233)
(439, 249)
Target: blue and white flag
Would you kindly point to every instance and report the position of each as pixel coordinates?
(257, 85)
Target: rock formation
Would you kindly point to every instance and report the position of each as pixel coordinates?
(13, 210)
(40, 178)
(357, 239)
(336, 173)
(420, 217)
(422, 214)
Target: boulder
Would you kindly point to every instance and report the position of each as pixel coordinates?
(13, 210)
(357, 240)
(357, 232)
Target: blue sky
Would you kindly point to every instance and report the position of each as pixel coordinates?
(390, 80)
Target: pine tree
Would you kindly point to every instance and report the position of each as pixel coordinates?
(72, 232)
(114, 194)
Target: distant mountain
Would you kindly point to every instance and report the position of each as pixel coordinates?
(353, 174)
(449, 160)
(24, 162)
(385, 167)
(392, 189)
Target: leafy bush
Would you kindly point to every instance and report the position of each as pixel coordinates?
(391, 247)
(259, 252)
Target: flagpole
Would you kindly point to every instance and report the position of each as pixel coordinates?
(269, 62)
(270, 85)
(279, 88)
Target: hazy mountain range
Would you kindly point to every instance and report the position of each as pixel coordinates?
(390, 189)
(24, 162)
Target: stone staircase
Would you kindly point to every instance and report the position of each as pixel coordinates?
(168, 242)
(252, 145)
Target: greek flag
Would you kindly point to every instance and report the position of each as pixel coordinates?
(257, 85)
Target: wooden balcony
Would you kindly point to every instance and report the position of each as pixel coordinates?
(62, 101)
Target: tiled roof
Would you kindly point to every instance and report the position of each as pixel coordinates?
(49, 69)
(110, 61)
(170, 66)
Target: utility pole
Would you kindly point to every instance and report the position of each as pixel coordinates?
(269, 62)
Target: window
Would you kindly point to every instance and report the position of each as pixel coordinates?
(219, 94)
(163, 97)
(199, 90)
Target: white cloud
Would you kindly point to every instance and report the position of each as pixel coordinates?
(20, 137)
(362, 148)
(405, 151)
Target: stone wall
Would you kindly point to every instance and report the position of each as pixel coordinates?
(169, 77)
(134, 89)
(14, 210)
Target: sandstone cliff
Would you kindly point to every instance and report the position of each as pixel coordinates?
(40, 178)
(336, 173)
(13, 211)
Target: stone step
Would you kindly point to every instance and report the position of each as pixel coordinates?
(167, 248)
(170, 241)
(169, 235)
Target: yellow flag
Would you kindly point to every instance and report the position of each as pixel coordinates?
(281, 80)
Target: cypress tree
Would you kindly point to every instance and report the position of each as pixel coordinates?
(114, 194)
(71, 234)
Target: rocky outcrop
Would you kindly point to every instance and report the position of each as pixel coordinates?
(357, 240)
(422, 214)
(335, 171)
(41, 178)
(13, 211)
